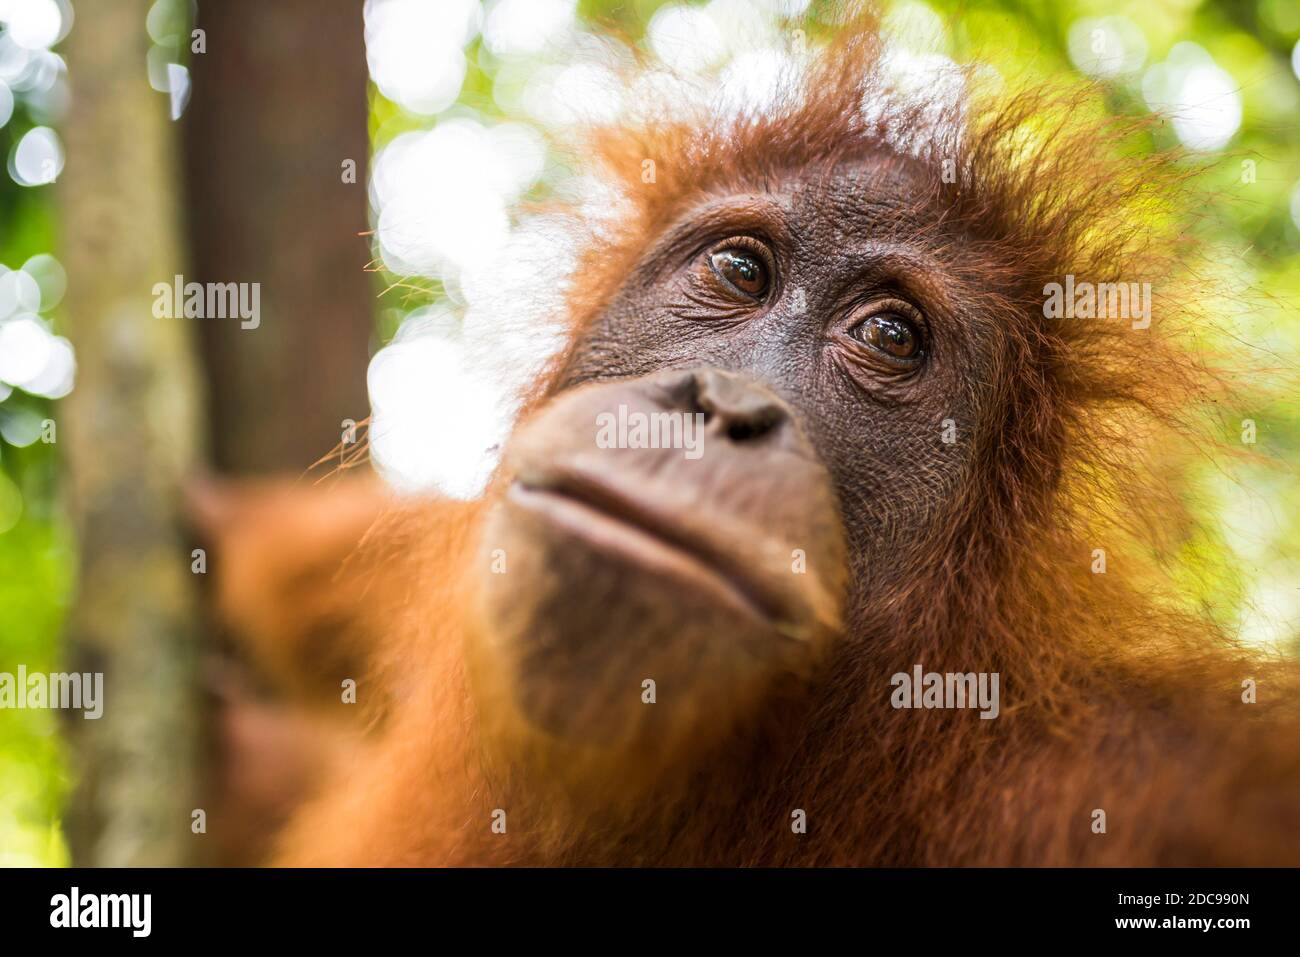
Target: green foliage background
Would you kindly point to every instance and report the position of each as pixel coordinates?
(37, 558)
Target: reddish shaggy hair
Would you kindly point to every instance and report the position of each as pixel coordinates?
(1120, 693)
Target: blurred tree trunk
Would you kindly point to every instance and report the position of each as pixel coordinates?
(279, 105)
(129, 433)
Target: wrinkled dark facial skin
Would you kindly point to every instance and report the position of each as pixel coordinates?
(845, 242)
(827, 358)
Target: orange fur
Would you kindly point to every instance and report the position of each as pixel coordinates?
(1119, 691)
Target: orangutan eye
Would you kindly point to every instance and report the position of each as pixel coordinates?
(743, 269)
(891, 333)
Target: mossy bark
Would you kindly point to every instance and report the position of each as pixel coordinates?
(129, 433)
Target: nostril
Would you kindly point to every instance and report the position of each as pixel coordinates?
(744, 431)
(740, 409)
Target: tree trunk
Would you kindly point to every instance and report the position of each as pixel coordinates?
(279, 105)
(129, 432)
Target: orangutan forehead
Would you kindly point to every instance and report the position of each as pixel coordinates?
(871, 181)
(872, 193)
